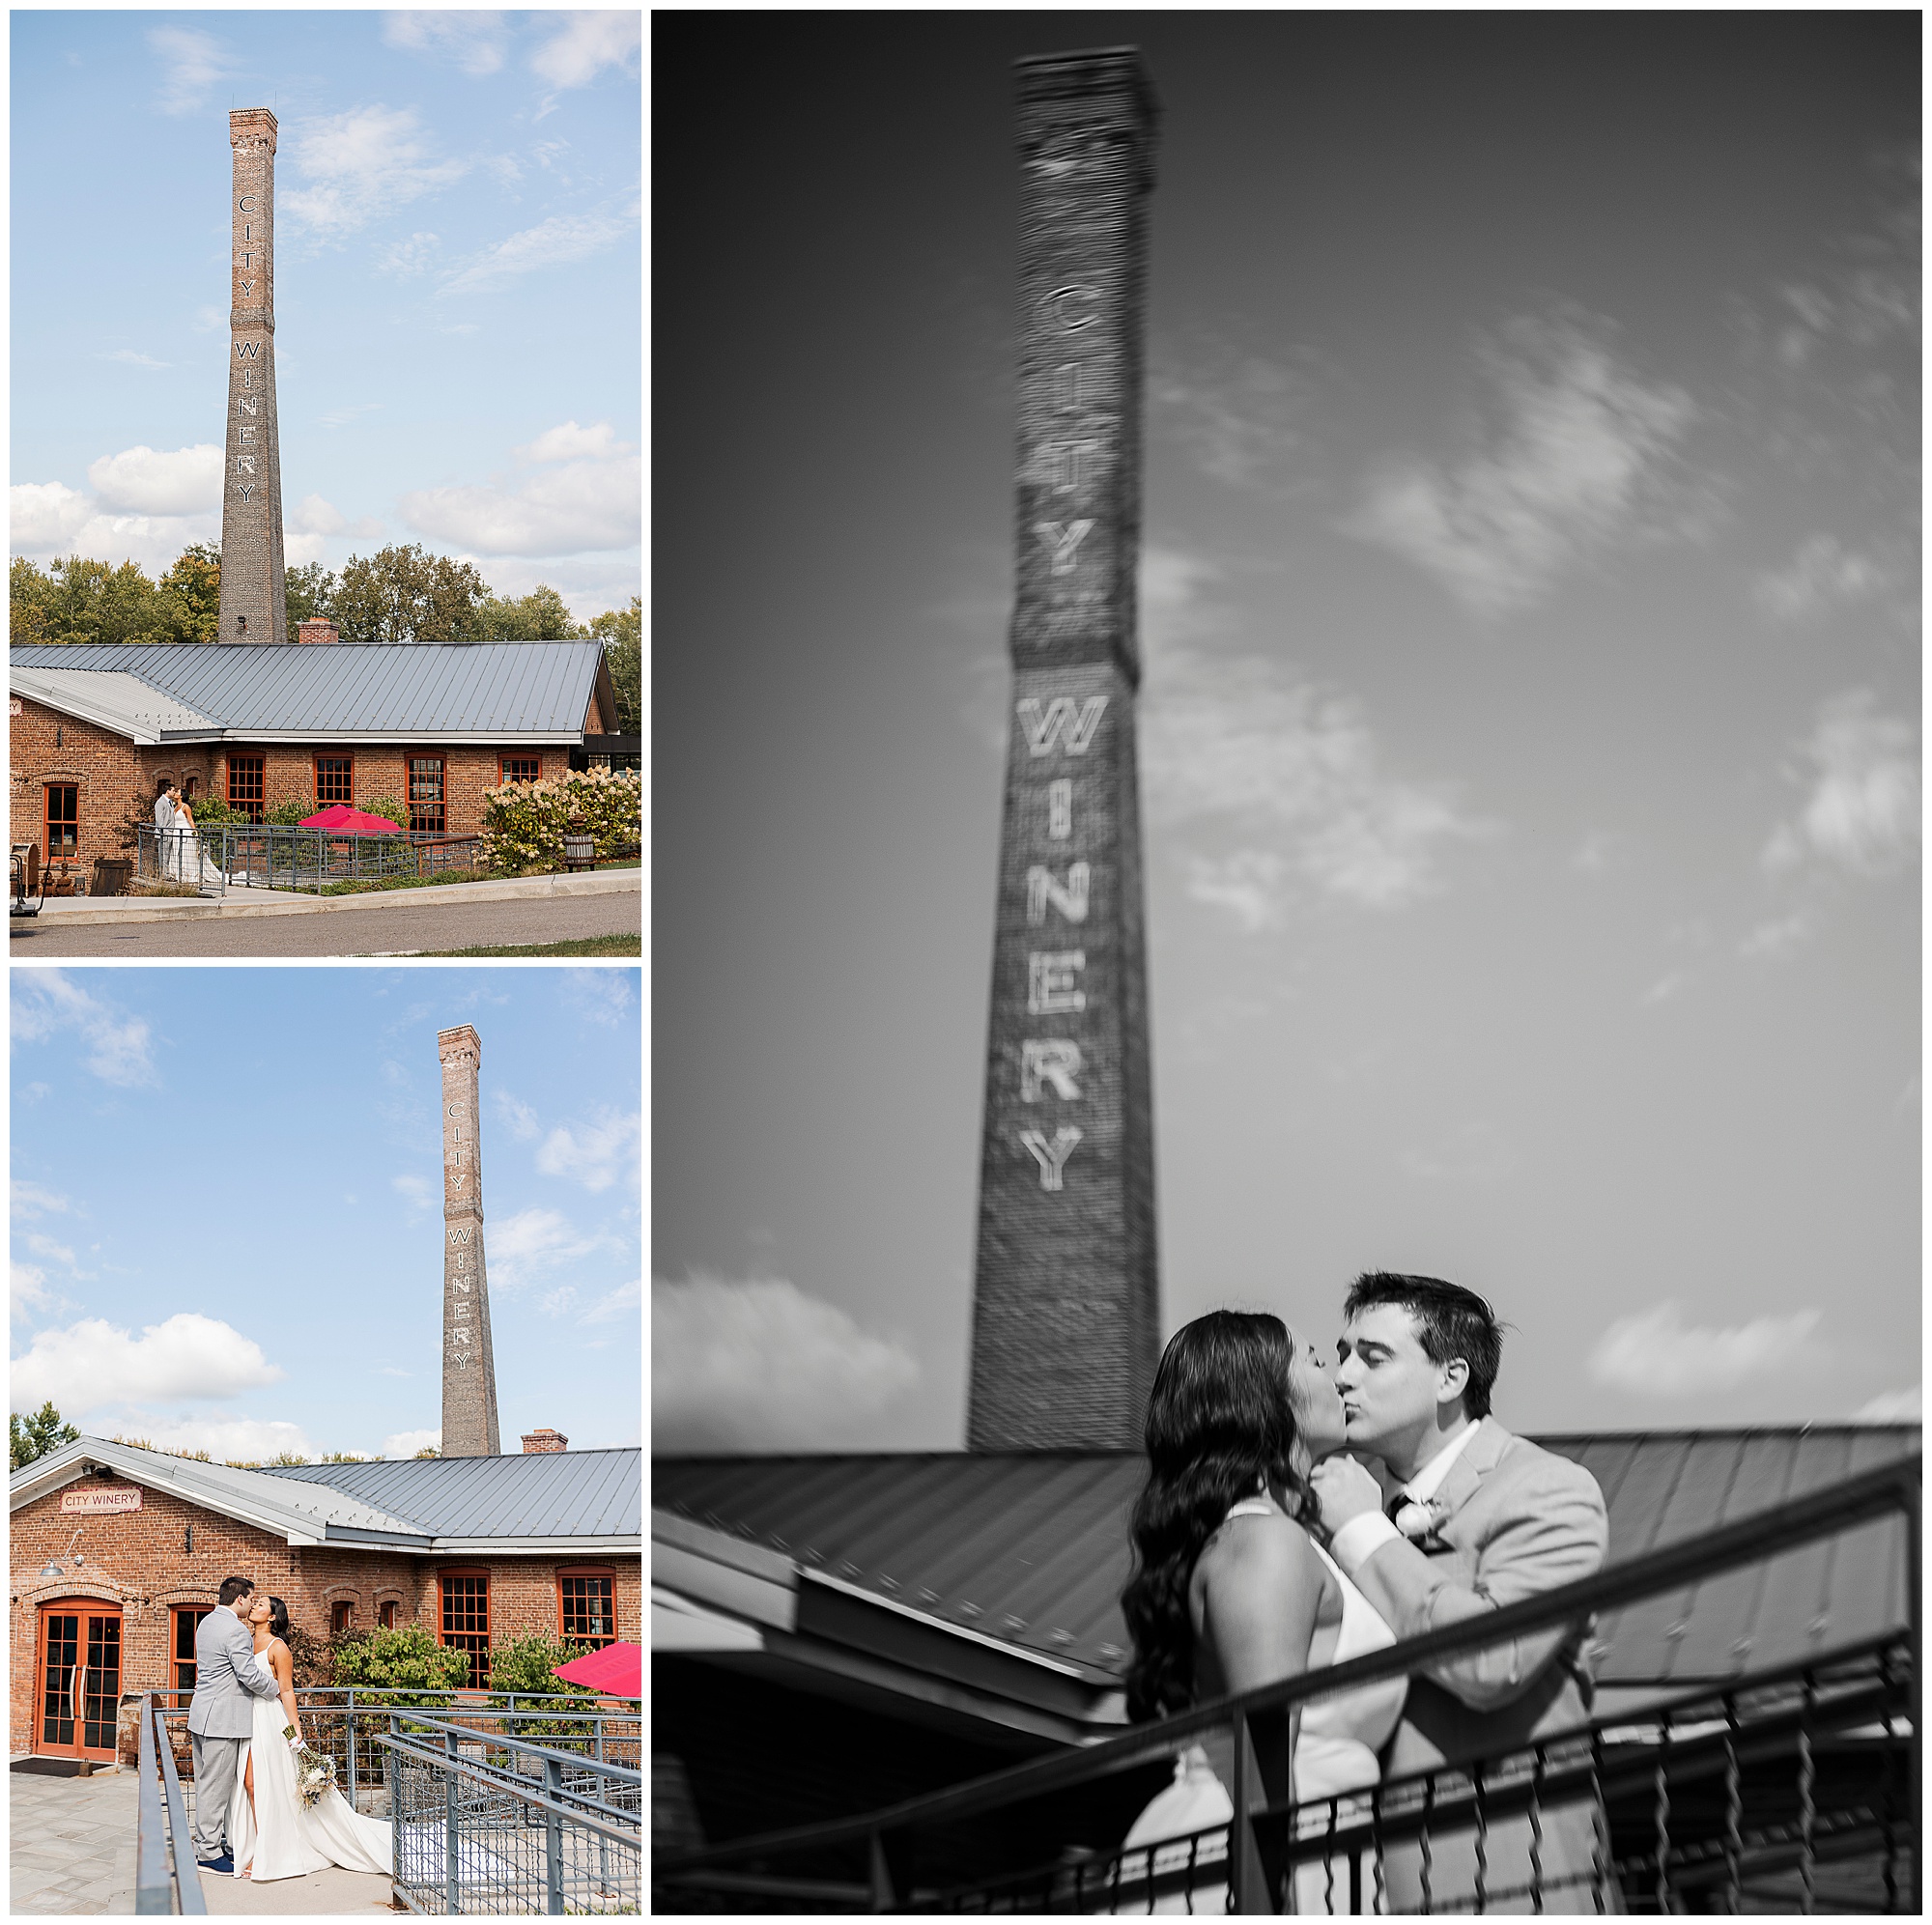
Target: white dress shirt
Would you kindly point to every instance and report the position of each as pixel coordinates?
(1360, 1537)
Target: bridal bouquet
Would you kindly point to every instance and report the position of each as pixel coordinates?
(315, 1770)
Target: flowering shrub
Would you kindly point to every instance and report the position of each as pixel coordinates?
(523, 822)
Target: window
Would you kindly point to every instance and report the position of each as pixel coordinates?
(244, 785)
(521, 768)
(386, 1614)
(341, 1615)
(62, 819)
(333, 780)
(466, 1621)
(187, 1618)
(426, 811)
(585, 1608)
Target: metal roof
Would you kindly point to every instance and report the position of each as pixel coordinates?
(408, 689)
(1031, 1549)
(113, 698)
(566, 1500)
(540, 1496)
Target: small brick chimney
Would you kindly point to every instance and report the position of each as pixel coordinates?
(317, 627)
(540, 1442)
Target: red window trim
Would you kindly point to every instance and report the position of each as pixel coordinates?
(504, 774)
(316, 760)
(176, 1612)
(47, 793)
(256, 806)
(481, 1570)
(440, 805)
(609, 1570)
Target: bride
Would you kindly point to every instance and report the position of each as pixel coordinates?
(273, 1833)
(184, 863)
(1231, 1592)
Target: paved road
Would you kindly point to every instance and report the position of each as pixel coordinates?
(415, 925)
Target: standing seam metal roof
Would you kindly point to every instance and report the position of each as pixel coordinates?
(422, 687)
(1031, 1548)
(559, 1494)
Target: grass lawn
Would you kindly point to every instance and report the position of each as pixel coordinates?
(622, 944)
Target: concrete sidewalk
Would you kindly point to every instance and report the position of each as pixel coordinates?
(333, 1892)
(69, 911)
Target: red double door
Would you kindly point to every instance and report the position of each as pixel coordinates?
(79, 1686)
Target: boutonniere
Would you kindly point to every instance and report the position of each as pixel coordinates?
(1420, 1520)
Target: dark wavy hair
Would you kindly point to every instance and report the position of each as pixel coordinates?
(1450, 1322)
(278, 1620)
(1219, 1422)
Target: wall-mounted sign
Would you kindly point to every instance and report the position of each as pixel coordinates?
(94, 1500)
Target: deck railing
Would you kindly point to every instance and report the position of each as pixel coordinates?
(165, 1879)
(268, 855)
(1794, 1787)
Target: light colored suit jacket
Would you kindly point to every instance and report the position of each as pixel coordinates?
(227, 1680)
(164, 818)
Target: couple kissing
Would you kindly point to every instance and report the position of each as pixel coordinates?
(1265, 1548)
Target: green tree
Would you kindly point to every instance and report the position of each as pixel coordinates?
(622, 633)
(190, 593)
(405, 1660)
(88, 601)
(27, 593)
(541, 615)
(530, 1664)
(307, 590)
(403, 594)
(39, 1433)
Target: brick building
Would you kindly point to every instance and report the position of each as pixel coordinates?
(97, 730)
(118, 1552)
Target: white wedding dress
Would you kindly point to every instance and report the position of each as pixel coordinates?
(1334, 1755)
(184, 858)
(283, 1837)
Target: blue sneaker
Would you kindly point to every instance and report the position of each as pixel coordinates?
(224, 1864)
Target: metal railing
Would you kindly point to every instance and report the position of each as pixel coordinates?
(268, 855)
(345, 1720)
(494, 1824)
(1784, 1788)
(165, 1879)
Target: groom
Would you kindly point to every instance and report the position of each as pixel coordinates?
(220, 1716)
(1476, 1519)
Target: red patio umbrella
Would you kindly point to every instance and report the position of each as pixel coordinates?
(345, 821)
(617, 1671)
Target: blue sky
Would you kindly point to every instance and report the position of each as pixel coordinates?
(458, 285)
(226, 1201)
(1529, 735)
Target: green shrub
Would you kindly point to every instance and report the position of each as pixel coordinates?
(528, 1665)
(523, 822)
(388, 808)
(407, 1660)
(289, 812)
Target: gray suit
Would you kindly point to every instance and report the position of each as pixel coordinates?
(221, 1717)
(164, 811)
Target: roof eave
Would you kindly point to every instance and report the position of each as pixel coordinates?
(632, 1543)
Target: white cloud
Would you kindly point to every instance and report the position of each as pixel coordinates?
(406, 1443)
(1893, 1407)
(1294, 771)
(317, 517)
(133, 360)
(519, 1115)
(360, 166)
(473, 40)
(93, 1364)
(1656, 1354)
(27, 1290)
(149, 481)
(29, 1201)
(589, 43)
(761, 1366)
(415, 1191)
(57, 1253)
(601, 996)
(522, 1249)
(336, 417)
(616, 1303)
(192, 63)
(594, 1155)
(1774, 936)
(1574, 460)
(553, 243)
(46, 1002)
(390, 1371)
(242, 1439)
(45, 515)
(1822, 574)
(570, 443)
(577, 508)
(408, 258)
(210, 320)
(1862, 812)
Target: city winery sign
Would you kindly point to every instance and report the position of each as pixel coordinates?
(96, 1500)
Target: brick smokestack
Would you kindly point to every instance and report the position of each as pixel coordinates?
(545, 1442)
(317, 627)
(252, 576)
(468, 1363)
(1067, 1292)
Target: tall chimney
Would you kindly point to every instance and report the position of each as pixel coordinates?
(544, 1442)
(469, 1364)
(1067, 1292)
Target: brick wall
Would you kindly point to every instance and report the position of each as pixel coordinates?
(117, 780)
(137, 1561)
